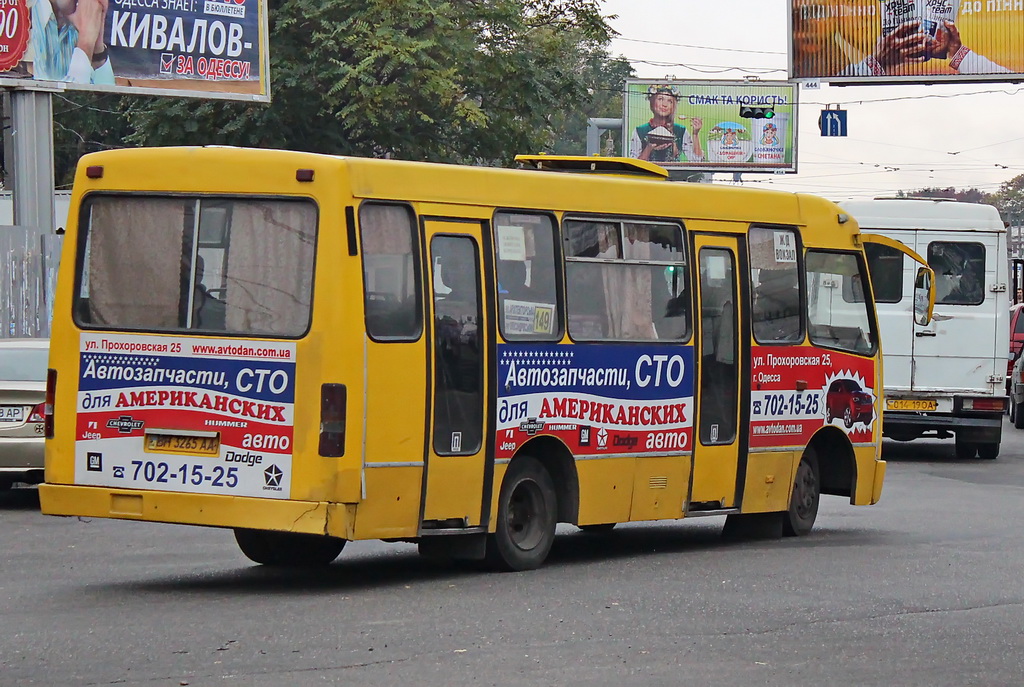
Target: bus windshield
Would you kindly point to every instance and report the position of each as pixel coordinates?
(242, 266)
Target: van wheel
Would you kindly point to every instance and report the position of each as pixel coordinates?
(965, 450)
(848, 418)
(288, 549)
(988, 451)
(803, 505)
(527, 514)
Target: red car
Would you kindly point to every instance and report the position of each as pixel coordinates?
(846, 399)
(1016, 338)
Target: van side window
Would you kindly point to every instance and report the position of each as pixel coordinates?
(775, 276)
(834, 322)
(391, 291)
(959, 272)
(626, 280)
(886, 267)
(527, 292)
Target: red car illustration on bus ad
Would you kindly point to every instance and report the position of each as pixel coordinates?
(796, 390)
(211, 416)
(599, 399)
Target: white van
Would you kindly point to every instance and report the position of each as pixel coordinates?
(947, 378)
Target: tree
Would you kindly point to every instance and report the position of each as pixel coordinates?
(444, 80)
(967, 195)
(1010, 200)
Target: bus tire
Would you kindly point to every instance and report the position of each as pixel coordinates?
(1017, 415)
(803, 504)
(527, 514)
(288, 549)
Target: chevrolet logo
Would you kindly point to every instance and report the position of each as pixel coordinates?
(125, 424)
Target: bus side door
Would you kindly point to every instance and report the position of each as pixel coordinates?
(459, 459)
(719, 446)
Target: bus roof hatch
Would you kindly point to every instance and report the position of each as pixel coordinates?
(592, 164)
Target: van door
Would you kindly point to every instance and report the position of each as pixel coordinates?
(717, 469)
(459, 460)
(892, 279)
(959, 348)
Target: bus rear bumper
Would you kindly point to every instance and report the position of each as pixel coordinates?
(309, 517)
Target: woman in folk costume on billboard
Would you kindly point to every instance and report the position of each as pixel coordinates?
(661, 139)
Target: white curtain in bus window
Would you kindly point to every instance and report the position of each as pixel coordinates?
(959, 272)
(775, 276)
(834, 321)
(131, 281)
(269, 275)
(627, 286)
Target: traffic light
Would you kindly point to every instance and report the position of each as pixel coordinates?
(750, 112)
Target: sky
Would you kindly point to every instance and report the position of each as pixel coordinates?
(900, 137)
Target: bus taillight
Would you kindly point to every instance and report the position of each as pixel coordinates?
(332, 420)
(51, 392)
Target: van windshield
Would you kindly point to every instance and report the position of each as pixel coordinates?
(242, 266)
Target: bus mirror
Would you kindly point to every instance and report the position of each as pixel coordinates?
(924, 296)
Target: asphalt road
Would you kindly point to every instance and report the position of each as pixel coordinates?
(922, 589)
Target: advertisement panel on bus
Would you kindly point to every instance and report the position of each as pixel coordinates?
(710, 126)
(923, 41)
(201, 48)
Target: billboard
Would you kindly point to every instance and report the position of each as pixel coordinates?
(920, 41)
(697, 125)
(200, 48)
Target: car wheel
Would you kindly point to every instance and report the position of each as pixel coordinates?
(288, 549)
(803, 504)
(848, 418)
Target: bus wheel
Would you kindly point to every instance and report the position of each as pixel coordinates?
(527, 514)
(803, 505)
(1017, 414)
(288, 549)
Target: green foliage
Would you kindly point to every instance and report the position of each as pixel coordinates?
(473, 81)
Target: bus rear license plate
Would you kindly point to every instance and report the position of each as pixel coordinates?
(176, 443)
(908, 404)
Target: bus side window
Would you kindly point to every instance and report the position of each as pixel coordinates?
(626, 281)
(774, 271)
(390, 272)
(527, 291)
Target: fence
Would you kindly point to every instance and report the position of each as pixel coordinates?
(28, 277)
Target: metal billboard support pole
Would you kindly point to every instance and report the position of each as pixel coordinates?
(595, 127)
(30, 158)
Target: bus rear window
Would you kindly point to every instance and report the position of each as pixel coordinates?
(231, 265)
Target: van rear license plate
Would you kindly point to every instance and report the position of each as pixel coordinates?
(187, 445)
(911, 404)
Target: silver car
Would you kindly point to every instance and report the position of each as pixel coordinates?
(22, 394)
